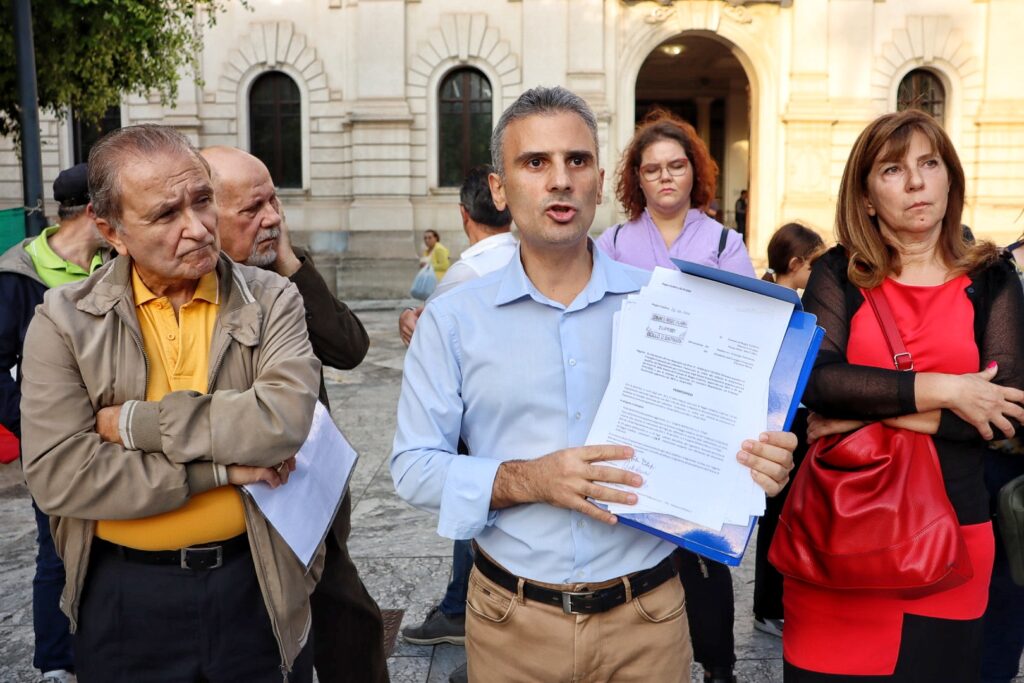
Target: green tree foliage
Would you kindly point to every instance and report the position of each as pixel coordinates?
(90, 52)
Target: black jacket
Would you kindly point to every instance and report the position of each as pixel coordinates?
(21, 290)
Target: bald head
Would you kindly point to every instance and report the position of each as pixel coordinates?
(247, 207)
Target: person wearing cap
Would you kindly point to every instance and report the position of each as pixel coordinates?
(66, 252)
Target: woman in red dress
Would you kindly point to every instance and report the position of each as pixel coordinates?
(960, 313)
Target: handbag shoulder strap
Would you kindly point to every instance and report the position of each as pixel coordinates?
(901, 358)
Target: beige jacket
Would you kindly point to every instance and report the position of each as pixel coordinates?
(84, 351)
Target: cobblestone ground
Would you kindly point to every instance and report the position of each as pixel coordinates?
(402, 561)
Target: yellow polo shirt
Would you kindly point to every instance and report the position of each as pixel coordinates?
(179, 359)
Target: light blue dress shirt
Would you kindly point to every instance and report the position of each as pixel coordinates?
(519, 376)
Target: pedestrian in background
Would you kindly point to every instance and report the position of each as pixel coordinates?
(792, 251)
(436, 254)
(64, 253)
(1004, 617)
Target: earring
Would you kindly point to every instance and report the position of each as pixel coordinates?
(871, 210)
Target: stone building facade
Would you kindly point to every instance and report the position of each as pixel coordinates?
(374, 105)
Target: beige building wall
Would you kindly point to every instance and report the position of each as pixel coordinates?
(369, 70)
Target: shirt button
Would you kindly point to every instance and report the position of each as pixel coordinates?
(572, 362)
(171, 337)
(580, 524)
(579, 415)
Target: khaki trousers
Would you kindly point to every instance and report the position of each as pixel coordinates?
(512, 640)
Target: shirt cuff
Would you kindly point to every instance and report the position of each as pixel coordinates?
(201, 477)
(466, 498)
(139, 426)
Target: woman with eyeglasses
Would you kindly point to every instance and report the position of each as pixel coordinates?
(665, 180)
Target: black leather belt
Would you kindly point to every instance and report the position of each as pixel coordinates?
(207, 556)
(586, 602)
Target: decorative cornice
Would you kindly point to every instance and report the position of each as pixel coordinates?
(270, 46)
(927, 41)
(464, 38)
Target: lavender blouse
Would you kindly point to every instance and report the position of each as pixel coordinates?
(640, 244)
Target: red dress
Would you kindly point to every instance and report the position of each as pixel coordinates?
(859, 633)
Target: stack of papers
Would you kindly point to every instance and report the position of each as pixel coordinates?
(302, 510)
(691, 364)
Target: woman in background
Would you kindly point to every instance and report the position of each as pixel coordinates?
(792, 251)
(1003, 641)
(665, 179)
(436, 254)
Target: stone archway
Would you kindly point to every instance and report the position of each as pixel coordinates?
(732, 27)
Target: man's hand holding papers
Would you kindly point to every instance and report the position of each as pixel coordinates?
(689, 386)
(566, 479)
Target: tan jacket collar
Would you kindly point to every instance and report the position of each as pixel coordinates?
(240, 315)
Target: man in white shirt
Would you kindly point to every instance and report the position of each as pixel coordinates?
(490, 238)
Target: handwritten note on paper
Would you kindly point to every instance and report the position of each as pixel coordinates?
(302, 510)
(691, 363)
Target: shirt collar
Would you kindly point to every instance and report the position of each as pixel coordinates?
(206, 290)
(43, 255)
(606, 277)
(488, 243)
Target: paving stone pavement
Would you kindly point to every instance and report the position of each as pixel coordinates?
(403, 562)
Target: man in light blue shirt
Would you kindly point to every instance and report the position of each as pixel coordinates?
(516, 363)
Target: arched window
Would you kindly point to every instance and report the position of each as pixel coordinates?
(84, 134)
(464, 130)
(275, 127)
(922, 89)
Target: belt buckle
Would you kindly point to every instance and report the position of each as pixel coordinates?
(567, 601)
(217, 563)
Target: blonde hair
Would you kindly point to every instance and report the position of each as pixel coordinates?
(872, 257)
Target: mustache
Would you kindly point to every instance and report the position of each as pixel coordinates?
(267, 234)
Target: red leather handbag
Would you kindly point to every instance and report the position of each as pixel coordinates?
(869, 511)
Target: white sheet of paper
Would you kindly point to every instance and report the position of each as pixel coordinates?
(691, 363)
(302, 510)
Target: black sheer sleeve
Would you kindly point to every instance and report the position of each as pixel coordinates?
(837, 388)
(999, 331)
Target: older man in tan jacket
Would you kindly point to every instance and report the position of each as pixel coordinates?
(152, 391)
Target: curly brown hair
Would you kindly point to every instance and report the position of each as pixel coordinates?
(660, 124)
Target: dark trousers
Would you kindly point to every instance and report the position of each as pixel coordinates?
(709, 609)
(348, 629)
(52, 631)
(144, 623)
(1003, 629)
(767, 579)
(454, 602)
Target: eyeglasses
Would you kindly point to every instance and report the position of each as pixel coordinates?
(675, 168)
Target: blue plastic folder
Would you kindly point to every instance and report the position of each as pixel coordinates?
(789, 377)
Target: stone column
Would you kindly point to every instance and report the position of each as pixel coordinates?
(995, 191)
(737, 147)
(808, 120)
(704, 118)
(381, 215)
